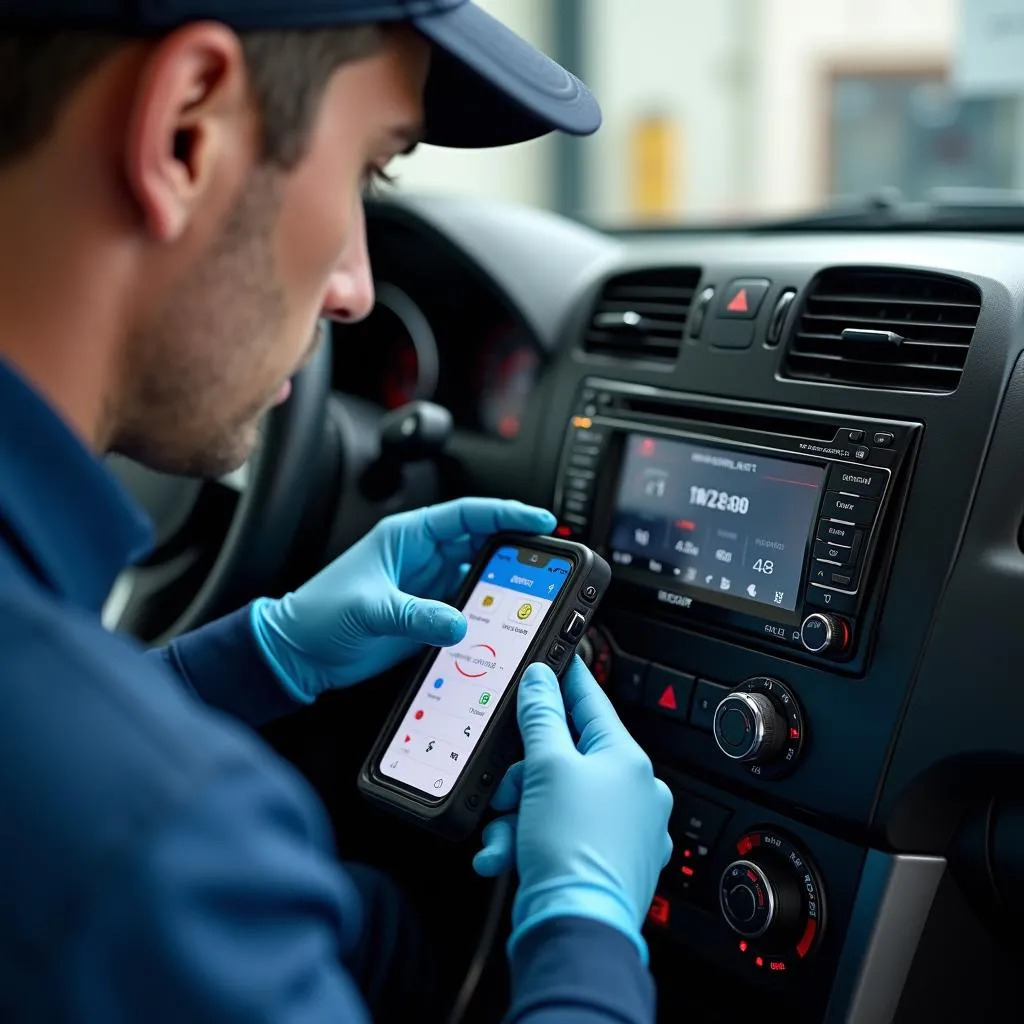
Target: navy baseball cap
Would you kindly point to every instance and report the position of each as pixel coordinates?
(487, 86)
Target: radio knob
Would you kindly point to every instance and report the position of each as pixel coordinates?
(826, 634)
(748, 727)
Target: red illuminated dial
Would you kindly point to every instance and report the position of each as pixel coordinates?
(772, 898)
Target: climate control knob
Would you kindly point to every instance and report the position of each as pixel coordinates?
(822, 633)
(761, 725)
(748, 728)
(752, 901)
(771, 897)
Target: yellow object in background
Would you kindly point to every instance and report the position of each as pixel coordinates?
(654, 169)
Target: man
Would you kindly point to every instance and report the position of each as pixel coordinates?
(180, 201)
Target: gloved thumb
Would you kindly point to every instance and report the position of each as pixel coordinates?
(542, 713)
(499, 850)
(414, 618)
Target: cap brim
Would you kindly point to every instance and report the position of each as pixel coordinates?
(488, 87)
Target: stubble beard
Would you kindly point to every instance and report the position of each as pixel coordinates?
(185, 411)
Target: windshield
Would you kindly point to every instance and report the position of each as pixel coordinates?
(746, 111)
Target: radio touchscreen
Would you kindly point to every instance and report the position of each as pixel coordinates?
(732, 525)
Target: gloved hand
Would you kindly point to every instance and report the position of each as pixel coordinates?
(381, 600)
(590, 836)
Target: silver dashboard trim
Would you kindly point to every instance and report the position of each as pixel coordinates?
(894, 899)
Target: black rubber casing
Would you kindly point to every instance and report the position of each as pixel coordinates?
(457, 815)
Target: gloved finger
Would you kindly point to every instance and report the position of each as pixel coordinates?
(462, 549)
(447, 522)
(542, 713)
(666, 851)
(596, 720)
(419, 620)
(498, 853)
(667, 800)
(510, 789)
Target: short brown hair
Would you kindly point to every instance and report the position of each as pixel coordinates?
(289, 71)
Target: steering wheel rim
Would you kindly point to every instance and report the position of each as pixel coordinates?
(277, 483)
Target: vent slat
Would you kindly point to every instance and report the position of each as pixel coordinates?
(832, 357)
(908, 343)
(874, 300)
(935, 315)
(648, 292)
(651, 307)
(888, 321)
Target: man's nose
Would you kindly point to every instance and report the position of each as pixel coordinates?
(350, 294)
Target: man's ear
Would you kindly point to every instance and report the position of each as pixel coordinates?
(192, 125)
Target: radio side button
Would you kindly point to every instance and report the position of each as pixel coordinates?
(859, 511)
(863, 481)
(836, 533)
(832, 600)
(838, 554)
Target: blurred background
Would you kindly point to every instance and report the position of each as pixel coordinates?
(731, 111)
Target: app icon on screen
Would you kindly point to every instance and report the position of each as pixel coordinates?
(523, 612)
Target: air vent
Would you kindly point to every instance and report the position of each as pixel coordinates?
(901, 330)
(642, 316)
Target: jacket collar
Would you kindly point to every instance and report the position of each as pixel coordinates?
(75, 526)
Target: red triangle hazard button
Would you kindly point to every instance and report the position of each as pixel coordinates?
(668, 699)
(739, 303)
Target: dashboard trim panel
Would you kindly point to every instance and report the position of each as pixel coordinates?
(893, 902)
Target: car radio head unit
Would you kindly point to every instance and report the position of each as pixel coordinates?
(760, 521)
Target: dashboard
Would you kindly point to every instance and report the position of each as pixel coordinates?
(801, 454)
(440, 332)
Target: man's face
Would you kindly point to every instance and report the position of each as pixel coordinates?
(219, 343)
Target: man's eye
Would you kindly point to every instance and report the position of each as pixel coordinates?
(375, 179)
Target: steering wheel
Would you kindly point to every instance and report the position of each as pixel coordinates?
(192, 578)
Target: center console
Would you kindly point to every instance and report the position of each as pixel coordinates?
(743, 537)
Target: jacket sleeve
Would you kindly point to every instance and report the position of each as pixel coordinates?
(572, 970)
(221, 663)
(232, 910)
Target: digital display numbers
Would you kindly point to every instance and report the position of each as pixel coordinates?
(716, 520)
(722, 501)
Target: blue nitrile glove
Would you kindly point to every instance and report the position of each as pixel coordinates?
(590, 836)
(379, 602)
